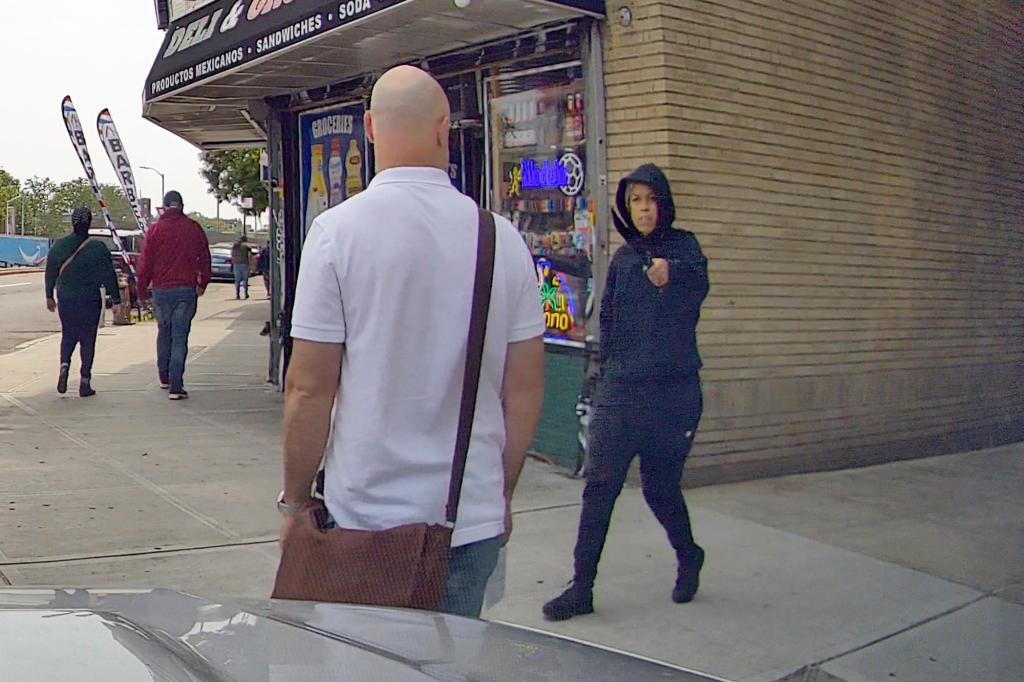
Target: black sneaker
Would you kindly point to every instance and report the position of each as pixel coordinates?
(178, 395)
(85, 389)
(575, 601)
(688, 580)
(62, 379)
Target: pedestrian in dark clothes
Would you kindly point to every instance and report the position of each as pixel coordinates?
(76, 268)
(650, 400)
(263, 265)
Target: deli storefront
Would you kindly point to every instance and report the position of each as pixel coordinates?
(525, 84)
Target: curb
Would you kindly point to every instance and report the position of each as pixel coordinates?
(20, 271)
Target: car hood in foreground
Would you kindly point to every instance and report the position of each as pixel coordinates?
(129, 635)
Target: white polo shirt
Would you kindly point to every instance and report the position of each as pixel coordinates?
(389, 273)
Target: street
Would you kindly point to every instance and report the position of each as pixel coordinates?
(23, 313)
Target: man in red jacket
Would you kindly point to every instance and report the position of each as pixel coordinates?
(176, 261)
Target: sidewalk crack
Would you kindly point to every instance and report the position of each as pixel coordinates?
(137, 553)
(805, 672)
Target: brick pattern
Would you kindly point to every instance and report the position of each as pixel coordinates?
(853, 171)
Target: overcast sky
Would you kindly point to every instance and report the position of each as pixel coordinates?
(99, 52)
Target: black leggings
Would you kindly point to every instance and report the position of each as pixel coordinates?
(79, 322)
(658, 423)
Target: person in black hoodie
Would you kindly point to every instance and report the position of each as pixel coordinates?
(649, 401)
(76, 268)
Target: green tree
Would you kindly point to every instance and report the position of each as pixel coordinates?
(234, 174)
(7, 183)
(40, 218)
(119, 206)
(224, 225)
(10, 187)
(72, 194)
(47, 205)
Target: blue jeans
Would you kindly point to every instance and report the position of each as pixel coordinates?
(241, 279)
(174, 310)
(469, 569)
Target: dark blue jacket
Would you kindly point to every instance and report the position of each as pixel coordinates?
(649, 333)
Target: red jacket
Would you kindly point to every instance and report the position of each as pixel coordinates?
(176, 254)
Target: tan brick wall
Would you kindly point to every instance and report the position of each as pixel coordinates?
(854, 173)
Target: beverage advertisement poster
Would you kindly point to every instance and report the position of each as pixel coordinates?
(333, 164)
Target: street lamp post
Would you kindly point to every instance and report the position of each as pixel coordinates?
(7, 205)
(7, 209)
(163, 183)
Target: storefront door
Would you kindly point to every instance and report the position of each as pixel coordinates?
(466, 145)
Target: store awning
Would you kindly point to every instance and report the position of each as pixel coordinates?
(217, 60)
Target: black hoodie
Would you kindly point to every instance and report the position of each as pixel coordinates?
(649, 333)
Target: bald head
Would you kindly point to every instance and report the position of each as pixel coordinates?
(409, 120)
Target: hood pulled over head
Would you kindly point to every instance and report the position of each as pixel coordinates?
(651, 175)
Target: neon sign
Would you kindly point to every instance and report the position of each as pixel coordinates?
(515, 181)
(558, 298)
(550, 175)
(564, 174)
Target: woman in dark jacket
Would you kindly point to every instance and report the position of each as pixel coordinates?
(76, 267)
(650, 401)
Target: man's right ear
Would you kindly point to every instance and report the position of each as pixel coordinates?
(368, 125)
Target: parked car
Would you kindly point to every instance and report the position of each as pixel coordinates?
(133, 241)
(129, 635)
(220, 257)
(220, 263)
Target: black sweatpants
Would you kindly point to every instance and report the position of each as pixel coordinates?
(79, 321)
(656, 422)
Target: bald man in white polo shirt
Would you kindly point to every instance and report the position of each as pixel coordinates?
(379, 326)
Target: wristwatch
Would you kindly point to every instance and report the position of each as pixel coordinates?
(286, 509)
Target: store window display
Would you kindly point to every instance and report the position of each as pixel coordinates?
(539, 182)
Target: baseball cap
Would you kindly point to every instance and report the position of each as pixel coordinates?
(173, 198)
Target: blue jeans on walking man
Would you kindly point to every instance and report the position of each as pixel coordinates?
(241, 279)
(174, 309)
(469, 569)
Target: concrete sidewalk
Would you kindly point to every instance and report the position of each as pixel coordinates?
(910, 571)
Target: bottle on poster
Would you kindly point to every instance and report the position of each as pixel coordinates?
(317, 200)
(353, 169)
(336, 173)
